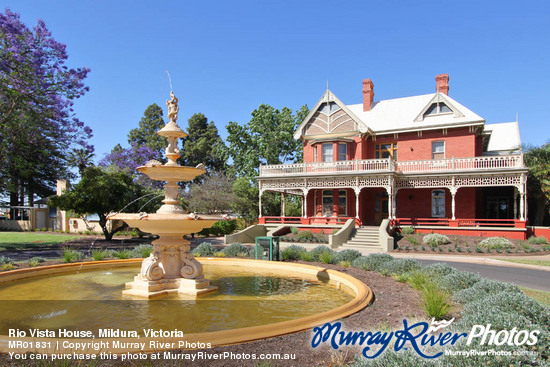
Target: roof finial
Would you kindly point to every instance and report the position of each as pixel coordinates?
(327, 84)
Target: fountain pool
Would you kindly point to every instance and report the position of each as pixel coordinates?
(255, 299)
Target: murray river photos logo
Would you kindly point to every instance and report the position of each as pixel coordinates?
(418, 336)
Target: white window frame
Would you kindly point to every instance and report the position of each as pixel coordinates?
(345, 145)
(331, 145)
(436, 204)
(433, 148)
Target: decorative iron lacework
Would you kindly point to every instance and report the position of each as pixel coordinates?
(374, 182)
(331, 182)
(423, 182)
(278, 184)
(514, 180)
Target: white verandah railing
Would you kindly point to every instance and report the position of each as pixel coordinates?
(388, 165)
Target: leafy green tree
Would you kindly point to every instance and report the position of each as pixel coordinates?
(266, 139)
(102, 191)
(203, 144)
(213, 195)
(538, 181)
(146, 132)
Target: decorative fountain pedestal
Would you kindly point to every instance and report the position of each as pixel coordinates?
(171, 268)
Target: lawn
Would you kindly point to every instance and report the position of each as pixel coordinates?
(20, 240)
(530, 262)
(541, 297)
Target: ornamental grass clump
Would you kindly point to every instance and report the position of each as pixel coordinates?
(5, 260)
(123, 253)
(496, 243)
(71, 255)
(435, 239)
(326, 257)
(372, 262)
(35, 261)
(347, 255)
(435, 300)
(292, 252)
(204, 249)
(99, 254)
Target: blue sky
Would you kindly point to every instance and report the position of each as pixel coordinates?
(227, 57)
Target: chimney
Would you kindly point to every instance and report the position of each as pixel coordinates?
(442, 83)
(368, 94)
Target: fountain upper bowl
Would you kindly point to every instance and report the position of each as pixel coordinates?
(177, 224)
(168, 173)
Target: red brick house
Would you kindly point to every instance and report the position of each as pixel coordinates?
(424, 160)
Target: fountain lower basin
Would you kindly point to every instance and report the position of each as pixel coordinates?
(356, 296)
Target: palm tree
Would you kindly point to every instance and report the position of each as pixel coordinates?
(81, 158)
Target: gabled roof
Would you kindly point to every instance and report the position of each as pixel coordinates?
(406, 114)
(400, 114)
(504, 137)
(328, 97)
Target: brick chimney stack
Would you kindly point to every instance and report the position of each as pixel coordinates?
(442, 83)
(368, 94)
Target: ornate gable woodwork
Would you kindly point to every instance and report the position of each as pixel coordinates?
(330, 119)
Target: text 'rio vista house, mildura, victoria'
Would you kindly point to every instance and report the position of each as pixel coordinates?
(424, 160)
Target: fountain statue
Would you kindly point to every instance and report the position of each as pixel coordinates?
(171, 268)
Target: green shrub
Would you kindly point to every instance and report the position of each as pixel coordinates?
(372, 262)
(71, 255)
(412, 240)
(236, 250)
(496, 243)
(35, 261)
(407, 230)
(526, 247)
(399, 266)
(438, 270)
(5, 260)
(100, 254)
(292, 252)
(347, 255)
(294, 230)
(484, 288)
(533, 240)
(479, 250)
(142, 251)
(123, 253)
(317, 251)
(203, 249)
(458, 280)
(305, 235)
(220, 228)
(435, 239)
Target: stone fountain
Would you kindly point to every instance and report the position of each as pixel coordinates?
(171, 268)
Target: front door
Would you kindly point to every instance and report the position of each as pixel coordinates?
(498, 208)
(380, 207)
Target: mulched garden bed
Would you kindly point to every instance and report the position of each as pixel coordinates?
(393, 302)
(466, 245)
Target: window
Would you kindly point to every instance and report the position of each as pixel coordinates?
(327, 153)
(329, 109)
(342, 203)
(315, 153)
(438, 203)
(328, 200)
(438, 108)
(438, 150)
(385, 151)
(342, 151)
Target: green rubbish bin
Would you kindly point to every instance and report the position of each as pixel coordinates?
(267, 248)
